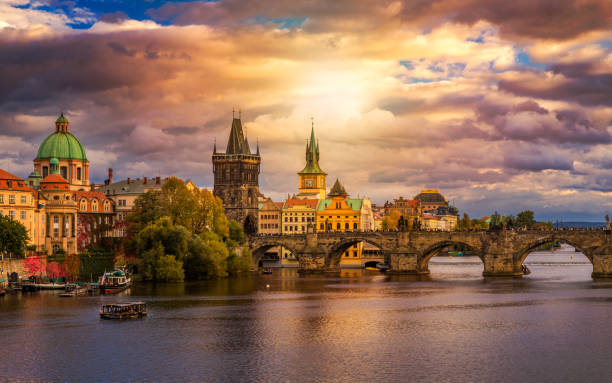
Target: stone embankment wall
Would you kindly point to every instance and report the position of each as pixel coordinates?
(8, 266)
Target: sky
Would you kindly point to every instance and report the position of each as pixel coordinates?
(503, 106)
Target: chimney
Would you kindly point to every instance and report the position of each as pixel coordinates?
(157, 180)
(92, 187)
(144, 180)
(129, 180)
(110, 175)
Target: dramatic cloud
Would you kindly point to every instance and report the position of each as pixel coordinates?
(503, 106)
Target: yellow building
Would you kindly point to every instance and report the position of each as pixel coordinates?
(61, 213)
(20, 202)
(340, 213)
(312, 178)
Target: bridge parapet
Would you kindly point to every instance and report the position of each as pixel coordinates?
(409, 252)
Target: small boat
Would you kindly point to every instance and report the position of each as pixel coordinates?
(369, 268)
(114, 281)
(525, 270)
(73, 289)
(267, 270)
(382, 266)
(127, 310)
(50, 286)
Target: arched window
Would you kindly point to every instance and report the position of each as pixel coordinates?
(346, 226)
(106, 206)
(94, 205)
(338, 226)
(83, 204)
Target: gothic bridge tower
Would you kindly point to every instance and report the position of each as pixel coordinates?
(236, 175)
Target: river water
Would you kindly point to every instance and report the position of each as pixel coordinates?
(453, 326)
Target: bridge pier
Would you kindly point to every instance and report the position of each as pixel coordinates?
(499, 265)
(403, 262)
(602, 265)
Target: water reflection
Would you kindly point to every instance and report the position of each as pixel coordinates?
(452, 325)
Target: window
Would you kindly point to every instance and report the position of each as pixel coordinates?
(106, 206)
(355, 226)
(45, 171)
(354, 254)
(302, 219)
(1, 198)
(12, 198)
(94, 205)
(338, 226)
(64, 172)
(12, 214)
(23, 214)
(322, 226)
(55, 226)
(24, 199)
(346, 226)
(83, 205)
(79, 174)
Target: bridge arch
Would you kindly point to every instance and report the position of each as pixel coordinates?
(522, 254)
(423, 262)
(259, 249)
(334, 255)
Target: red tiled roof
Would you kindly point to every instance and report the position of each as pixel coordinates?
(4, 175)
(311, 203)
(279, 204)
(54, 182)
(16, 182)
(55, 179)
(90, 195)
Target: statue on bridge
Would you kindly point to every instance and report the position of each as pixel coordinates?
(607, 222)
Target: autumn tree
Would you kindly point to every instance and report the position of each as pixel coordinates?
(525, 219)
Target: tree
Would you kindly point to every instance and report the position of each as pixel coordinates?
(236, 232)
(34, 265)
(525, 219)
(207, 257)
(464, 223)
(13, 237)
(239, 261)
(390, 221)
(168, 268)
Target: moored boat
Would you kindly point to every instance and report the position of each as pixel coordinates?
(267, 270)
(126, 310)
(73, 289)
(382, 266)
(114, 281)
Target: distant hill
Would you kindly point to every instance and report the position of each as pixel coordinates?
(579, 225)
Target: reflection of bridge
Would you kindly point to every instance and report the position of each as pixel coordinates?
(502, 252)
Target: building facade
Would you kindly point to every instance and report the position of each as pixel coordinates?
(236, 178)
(124, 193)
(21, 203)
(63, 146)
(61, 213)
(95, 219)
(340, 213)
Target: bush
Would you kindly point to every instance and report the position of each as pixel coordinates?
(168, 268)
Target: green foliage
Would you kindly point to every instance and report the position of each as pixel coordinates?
(207, 257)
(240, 261)
(13, 237)
(236, 232)
(525, 219)
(168, 268)
(94, 262)
(189, 224)
(464, 223)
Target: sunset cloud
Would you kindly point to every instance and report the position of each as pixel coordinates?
(504, 106)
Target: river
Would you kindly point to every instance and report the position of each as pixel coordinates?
(452, 326)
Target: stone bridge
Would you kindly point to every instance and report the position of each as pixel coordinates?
(501, 252)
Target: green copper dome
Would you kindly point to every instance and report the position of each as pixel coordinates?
(61, 144)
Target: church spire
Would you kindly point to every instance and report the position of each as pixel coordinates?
(312, 154)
